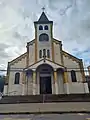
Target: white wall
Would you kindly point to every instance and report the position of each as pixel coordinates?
(31, 53)
(60, 83)
(46, 44)
(57, 53)
(20, 64)
(72, 65)
(5, 89)
(29, 85)
(76, 88)
(16, 87)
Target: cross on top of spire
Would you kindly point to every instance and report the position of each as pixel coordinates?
(43, 18)
(43, 9)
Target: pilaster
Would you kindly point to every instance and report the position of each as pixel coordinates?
(65, 77)
(34, 82)
(66, 84)
(55, 81)
(86, 89)
(23, 82)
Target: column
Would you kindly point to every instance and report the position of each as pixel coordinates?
(23, 83)
(86, 89)
(65, 77)
(34, 82)
(66, 84)
(55, 82)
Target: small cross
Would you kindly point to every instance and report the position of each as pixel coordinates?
(43, 9)
(44, 58)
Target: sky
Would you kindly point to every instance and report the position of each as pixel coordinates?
(71, 26)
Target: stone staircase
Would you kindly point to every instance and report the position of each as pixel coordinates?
(48, 98)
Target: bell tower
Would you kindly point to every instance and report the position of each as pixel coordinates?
(43, 37)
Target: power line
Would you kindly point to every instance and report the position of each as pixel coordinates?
(23, 70)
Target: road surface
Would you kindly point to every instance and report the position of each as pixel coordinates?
(46, 117)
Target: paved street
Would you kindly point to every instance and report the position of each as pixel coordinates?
(46, 117)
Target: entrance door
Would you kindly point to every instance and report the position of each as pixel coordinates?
(45, 85)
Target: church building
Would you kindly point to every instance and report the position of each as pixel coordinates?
(45, 68)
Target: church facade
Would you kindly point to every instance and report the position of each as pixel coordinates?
(45, 68)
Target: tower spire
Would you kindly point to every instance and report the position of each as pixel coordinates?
(43, 18)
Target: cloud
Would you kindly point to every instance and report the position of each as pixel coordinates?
(71, 25)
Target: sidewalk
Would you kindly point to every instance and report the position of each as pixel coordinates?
(45, 107)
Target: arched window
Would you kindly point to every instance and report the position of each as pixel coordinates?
(17, 78)
(43, 37)
(44, 52)
(40, 27)
(40, 54)
(45, 27)
(73, 76)
(48, 53)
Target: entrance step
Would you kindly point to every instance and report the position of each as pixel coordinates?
(47, 98)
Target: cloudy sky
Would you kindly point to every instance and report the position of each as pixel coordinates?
(71, 26)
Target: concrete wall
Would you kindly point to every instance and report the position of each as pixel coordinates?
(60, 83)
(29, 85)
(5, 89)
(16, 87)
(31, 53)
(20, 64)
(72, 65)
(57, 53)
(44, 44)
(76, 88)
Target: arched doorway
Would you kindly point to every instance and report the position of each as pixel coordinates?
(45, 78)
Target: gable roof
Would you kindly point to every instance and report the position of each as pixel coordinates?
(57, 41)
(71, 56)
(31, 42)
(44, 61)
(18, 58)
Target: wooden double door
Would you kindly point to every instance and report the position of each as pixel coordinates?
(45, 85)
